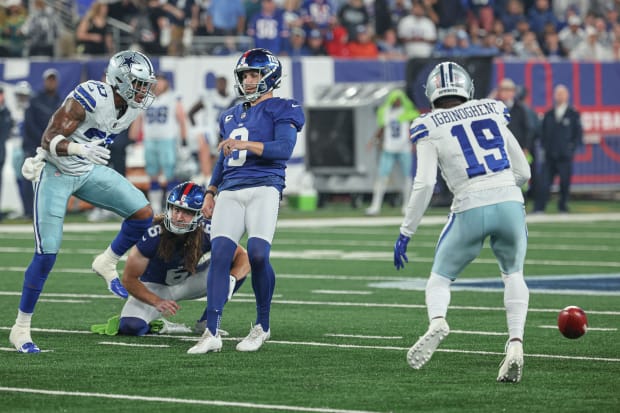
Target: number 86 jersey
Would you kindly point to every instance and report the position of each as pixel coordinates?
(480, 159)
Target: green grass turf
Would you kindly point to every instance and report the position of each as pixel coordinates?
(328, 352)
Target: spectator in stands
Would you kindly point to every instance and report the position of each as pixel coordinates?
(93, 33)
(42, 107)
(591, 48)
(561, 135)
(291, 13)
(488, 45)
(571, 35)
(316, 43)
(446, 14)
(449, 46)
(511, 16)
(523, 26)
(42, 30)
(417, 32)
(12, 40)
(352, 14)
(319, 15)
(562, 8)
(539, 15)
(552, 47)
(363, 46)
(388, 46)
(507, 45)
(336, 42)
(604, 36)
(6, 124)
(268, 29)
(176, 13)
(297, 44)
(480, 13)
(226, 18)
(528, 47)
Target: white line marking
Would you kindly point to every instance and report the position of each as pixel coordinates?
(180, 401)
(12, 350)
(358, 346)
(362, 336)
(345, 304)
(589, 328)
(51, 300)
(343, 292)
(114, 343)
(479, 333)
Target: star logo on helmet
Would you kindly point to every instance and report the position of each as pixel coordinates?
(128, 61)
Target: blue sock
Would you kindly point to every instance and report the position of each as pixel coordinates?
(218, 280)
(34, 279)
(130, 233)
(263, 279)
(133, 326)
(237, 286)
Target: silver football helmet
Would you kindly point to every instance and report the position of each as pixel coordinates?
(448, 79)
(131, 74)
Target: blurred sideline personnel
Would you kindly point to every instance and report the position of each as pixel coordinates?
(36, 117)
(561, 135)
(72, 161)
(22, 91)
(6, 125)
(258, 138)
(211, 105)
(393, 118)
(162, 125)
(484, 167)
(169, 263)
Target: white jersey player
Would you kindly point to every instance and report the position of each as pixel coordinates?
(484, 167)
(71, 161)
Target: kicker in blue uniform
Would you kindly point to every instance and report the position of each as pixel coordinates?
(258, 137)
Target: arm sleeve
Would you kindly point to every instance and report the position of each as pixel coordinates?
(423, 186)
(282, 146)
(218, 170)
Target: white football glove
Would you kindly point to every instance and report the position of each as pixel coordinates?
(91, 151)
(31, 169)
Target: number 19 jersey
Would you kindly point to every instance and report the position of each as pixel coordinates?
(474, 150)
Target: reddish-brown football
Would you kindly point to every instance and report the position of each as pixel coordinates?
(572, 322)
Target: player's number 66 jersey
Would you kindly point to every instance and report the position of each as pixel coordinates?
(470, 141)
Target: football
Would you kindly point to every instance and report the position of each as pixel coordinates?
(572, 322)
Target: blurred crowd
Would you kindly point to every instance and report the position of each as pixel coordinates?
(387, 29)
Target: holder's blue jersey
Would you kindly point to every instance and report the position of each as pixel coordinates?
(244, 169)
(170, 272)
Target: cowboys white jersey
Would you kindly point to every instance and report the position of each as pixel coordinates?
(477, 154)
(97, 99)
(160, 119)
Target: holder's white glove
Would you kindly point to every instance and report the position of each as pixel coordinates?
(32, 167)
(91, 151)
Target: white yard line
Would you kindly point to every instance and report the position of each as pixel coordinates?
(174, 400)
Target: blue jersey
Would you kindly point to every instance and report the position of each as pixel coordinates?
(170, 272)
(244, 169)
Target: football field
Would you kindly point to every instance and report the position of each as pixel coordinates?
(342, 321)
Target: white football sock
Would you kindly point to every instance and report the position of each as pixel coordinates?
(437, 296)
(516, 300)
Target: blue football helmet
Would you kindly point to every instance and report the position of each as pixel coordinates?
(131, 74)
(188, 196)
(267, 65)
(448, 79)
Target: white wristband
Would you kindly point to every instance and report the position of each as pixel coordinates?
(55, 140)
(74, 149)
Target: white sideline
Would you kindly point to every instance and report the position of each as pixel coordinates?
(180, 401)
